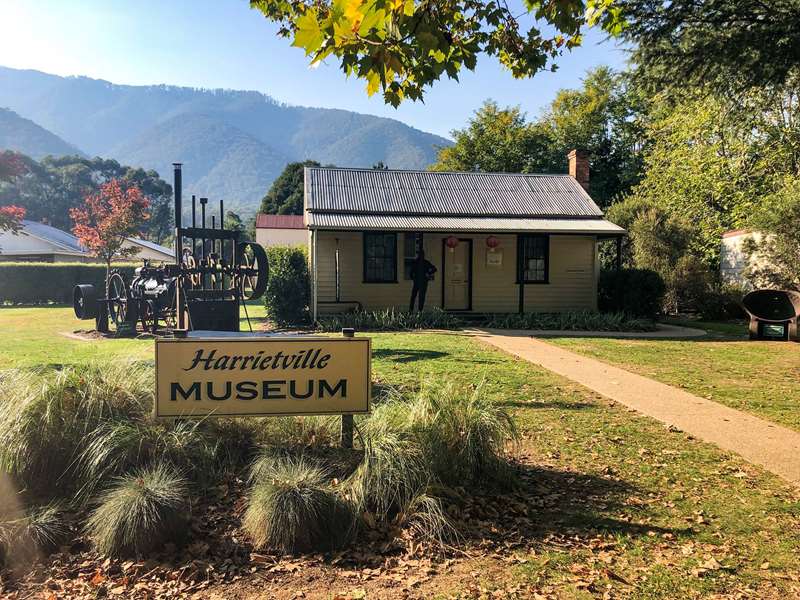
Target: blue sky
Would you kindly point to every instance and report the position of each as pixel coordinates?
(223, 43)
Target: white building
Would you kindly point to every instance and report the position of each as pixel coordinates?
(37, 242)
(733, 260)
(281, 230)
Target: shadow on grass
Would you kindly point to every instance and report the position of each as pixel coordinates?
(546, 404)
(551, 502)
(407, 355)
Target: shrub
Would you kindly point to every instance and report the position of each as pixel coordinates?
(389, 319)
(460, 432)
(300, 431)
(37, 283)
(425, 518)
(44, 422)
(395, 468)
(140, 512)
(23, 538)
(636, 292)
(117, 447)
(464, 432)
(288, 290)
(292, 507)
(722, 302)
(572, 321)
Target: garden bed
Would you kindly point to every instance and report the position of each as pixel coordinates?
(605, 503)
(398, 320)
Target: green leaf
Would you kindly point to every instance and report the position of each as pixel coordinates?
(308, 36)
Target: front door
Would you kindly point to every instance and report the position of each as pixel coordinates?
(457, 276)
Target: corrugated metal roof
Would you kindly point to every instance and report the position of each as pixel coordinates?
(152, 246)
(264, 221)
(378, 191)
(60, 238)
(339, 221)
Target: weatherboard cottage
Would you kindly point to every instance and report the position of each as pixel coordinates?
(500, 242)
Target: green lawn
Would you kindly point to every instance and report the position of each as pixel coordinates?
(611, 503)
(33, 337)
(762, 378)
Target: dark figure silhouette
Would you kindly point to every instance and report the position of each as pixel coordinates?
(422, 272)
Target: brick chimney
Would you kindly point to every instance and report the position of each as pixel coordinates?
(579, 167)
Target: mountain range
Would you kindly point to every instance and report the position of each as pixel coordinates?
(23, 135)
(233, 143)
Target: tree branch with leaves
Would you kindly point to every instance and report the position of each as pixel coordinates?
(11, 167)
(107, 218)
(403, 46)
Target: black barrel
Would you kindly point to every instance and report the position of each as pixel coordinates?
(84, 301)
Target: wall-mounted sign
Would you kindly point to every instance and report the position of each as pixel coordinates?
(494, 258)
(224, 377)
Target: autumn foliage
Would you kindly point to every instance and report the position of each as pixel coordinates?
(11, 218)
(11, 166)
(108, 217)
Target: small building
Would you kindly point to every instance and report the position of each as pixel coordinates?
(281, 230)
(501, 243)
(734, 260)
(38, 242)
(41, 243)
(150, 250)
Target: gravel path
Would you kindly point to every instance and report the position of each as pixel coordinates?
(771, 446)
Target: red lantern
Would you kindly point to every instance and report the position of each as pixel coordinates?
(492, 242)
(451, 242)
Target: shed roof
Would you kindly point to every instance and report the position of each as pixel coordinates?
(378, 191)
(57, 237)
(152, 246)
(264, 221)
(356, 222)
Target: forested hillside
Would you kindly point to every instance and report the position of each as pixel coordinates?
(23, 135)
(233, 143)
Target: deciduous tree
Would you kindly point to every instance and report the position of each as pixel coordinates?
(11, 166)
(54, 185)
(713, 160)
(778, 250)
(109, 216)
(721, 45)
(285, 196)
(403, 46)
(600, 118)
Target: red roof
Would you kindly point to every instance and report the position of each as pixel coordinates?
(279, 221)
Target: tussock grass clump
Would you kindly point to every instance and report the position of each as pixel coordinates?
(582, 320)
(44, 420)
(460, 432)
(465, 433)
(300, 431)
(293, 508)
(118, 447)
(140, 512)
(35, 534)
(390, 319)
(394, 469)
(425, 518)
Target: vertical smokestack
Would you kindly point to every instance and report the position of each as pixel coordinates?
(579, 167)
(177, 189)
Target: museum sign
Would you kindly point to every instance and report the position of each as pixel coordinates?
(270, 376)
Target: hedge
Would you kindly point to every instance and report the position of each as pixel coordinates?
(38, 283)
(635, 292)
(287, 296)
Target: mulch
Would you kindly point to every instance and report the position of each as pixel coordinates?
(497, 530)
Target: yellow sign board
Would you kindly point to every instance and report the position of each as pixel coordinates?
(269, 376)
